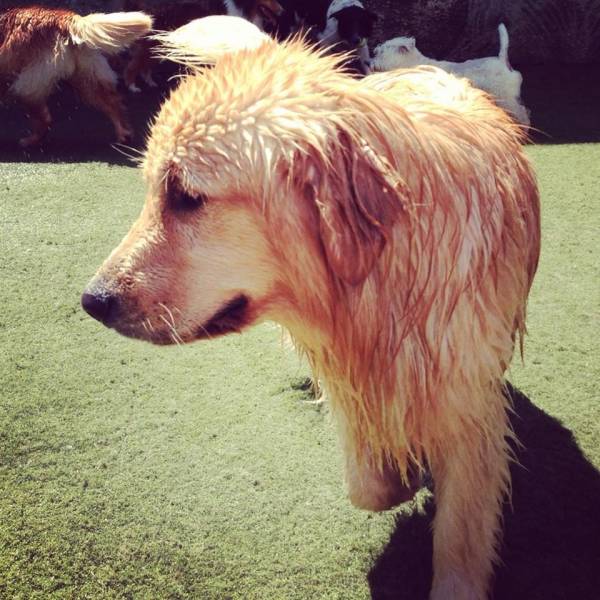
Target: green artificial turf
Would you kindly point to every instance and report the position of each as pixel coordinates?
(133, 471)
(561, 371)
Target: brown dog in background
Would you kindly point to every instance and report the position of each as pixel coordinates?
(39, 47)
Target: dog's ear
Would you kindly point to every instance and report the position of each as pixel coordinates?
(408, 45)
(358, 198)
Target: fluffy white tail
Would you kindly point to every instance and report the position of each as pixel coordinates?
(110, 33)
(204, 41)
(503, 54)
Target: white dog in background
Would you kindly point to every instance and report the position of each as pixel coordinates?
(491, 74)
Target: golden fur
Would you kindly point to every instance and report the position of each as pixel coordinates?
(39, 47)
(390, 224)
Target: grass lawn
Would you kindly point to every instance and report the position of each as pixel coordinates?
(132, 471)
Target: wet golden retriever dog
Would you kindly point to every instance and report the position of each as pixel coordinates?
(40, 47)
(391, 224)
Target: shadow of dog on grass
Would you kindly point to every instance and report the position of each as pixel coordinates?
(551, 544)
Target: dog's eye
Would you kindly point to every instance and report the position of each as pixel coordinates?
(181, 201)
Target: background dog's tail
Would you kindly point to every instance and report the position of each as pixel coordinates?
(503, 53)
(204, 41)
(110, 33)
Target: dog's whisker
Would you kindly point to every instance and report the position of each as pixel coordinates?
(169, 313)
(173, 332)
(174, 338)
(178, 336)
(121, 148)
(166, 322)
(175, 309)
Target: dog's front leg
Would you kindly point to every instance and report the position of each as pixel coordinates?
(374, 488)
(40, 119)
(371, 486)
(471, 479)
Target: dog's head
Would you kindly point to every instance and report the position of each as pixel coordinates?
(397, 53)
(354, 24)
(262, 173)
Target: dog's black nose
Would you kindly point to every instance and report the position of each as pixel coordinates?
(99, 305)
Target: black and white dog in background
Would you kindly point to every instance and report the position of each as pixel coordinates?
(344, 25)
(349, 24)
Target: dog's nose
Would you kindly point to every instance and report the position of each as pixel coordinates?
(99, 305)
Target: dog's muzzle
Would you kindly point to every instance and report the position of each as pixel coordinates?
(118, 312)
(100, 304)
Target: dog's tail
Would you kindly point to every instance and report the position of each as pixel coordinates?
(109, 33)
(206, 40)
(503, 53)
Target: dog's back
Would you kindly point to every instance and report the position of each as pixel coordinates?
(426, 91)
(27, 32)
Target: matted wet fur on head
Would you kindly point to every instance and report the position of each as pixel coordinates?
(390, 224)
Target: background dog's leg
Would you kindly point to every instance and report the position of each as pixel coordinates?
(140, 63)
(96, 83)
(40, 119)
(33, 86)
(471, 479)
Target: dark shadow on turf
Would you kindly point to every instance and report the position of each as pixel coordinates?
(564, 101)
(551, 547)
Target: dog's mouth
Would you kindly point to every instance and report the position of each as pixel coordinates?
(230, 318)
(165, 328)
